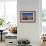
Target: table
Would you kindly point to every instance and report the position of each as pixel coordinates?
(10, 39)
(1, 34)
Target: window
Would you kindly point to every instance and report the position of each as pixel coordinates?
(44, 16)
(11, 11)
(8, 10)
(43, 12)
(1, 9)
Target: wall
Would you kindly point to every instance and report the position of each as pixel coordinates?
(29, 31)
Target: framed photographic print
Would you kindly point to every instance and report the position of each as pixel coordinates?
(27, 16)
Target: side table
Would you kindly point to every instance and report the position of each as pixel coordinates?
(1, 34)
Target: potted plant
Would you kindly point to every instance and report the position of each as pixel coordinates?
(1, 22)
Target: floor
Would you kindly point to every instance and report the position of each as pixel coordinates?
(2, 43)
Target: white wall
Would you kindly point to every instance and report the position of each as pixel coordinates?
(29, 31)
